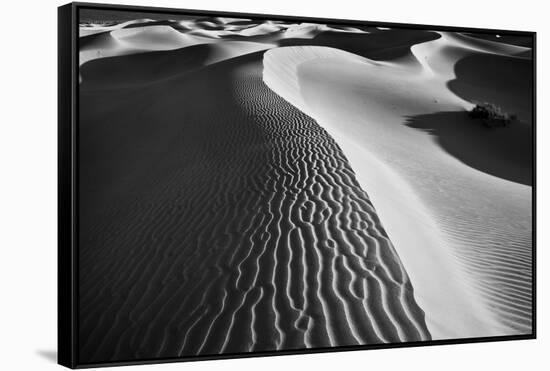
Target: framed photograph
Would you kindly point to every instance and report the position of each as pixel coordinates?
(235, 185)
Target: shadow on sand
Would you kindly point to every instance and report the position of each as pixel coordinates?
(502, 152)
(504, 81)
(49, 355)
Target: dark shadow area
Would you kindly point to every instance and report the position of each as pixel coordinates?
(175, 25)
(517, 40)
(502, 152)
(386, 45)
(504, 81)
(377, 45)
(49, 355)
(137, 69)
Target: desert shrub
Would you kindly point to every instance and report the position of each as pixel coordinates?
(491, 115)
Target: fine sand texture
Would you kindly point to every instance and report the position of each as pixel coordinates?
(249, 186)
(218, 218)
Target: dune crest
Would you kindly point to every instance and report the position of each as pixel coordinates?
(473, 258)
(158, 37)
(439, 57)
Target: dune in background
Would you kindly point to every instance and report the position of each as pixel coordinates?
(88, 29)
(463, 234)
(253, 185)
(146, 35)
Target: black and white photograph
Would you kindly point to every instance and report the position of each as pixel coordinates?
(249, 185)
(213, 185)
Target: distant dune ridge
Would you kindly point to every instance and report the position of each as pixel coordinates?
(262, 185)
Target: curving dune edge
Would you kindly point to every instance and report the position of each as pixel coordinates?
(362, 104)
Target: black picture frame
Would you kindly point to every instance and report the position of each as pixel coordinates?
(68, 196)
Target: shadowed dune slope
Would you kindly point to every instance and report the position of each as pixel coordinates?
(138, 69)
(384, 45)
(143, 68)
(505, 153)
(525, 41)
(501, 80)
(217, 218)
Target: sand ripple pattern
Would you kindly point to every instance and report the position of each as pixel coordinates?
(247, 232)
(499, 267)
(483, 223)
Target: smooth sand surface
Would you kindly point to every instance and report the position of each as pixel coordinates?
(464, 235)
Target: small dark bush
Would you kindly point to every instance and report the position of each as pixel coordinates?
(491, 115)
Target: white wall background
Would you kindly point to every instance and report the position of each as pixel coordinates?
(28, 181)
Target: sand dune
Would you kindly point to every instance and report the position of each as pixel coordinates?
(154, 38)
(378, 45)
(226, 210)
(152, 67)
(102, 45)
(129, 41)
(478, 80)
(147, 35)
(218, 218)
(474, 227)
(92, 29)
(439, 57)
(143, 40)
(505, 39)
(345, 29)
